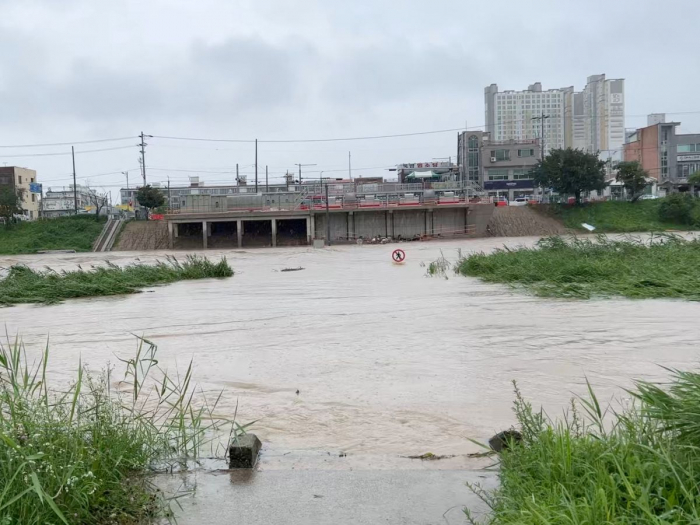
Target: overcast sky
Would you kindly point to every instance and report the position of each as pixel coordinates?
(80, 70)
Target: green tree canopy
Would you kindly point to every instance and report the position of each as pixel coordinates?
(10, 203)
(631, 174)
(694, 178)
(570, 172)
(150, 197)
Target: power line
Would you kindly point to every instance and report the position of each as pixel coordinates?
(95, 141)
(311, 140)
(64, 153)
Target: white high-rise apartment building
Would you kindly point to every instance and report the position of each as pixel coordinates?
(604, 116)
(591, 120)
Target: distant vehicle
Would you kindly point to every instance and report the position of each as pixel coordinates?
(648, 197)
(520, 201)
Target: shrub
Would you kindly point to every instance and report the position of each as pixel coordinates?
(677, 207)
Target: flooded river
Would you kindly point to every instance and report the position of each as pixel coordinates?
(387, 361)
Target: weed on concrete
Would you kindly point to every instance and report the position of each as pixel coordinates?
(637, 464)
(82, 453)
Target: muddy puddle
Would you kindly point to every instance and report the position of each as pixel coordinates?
(387, 362)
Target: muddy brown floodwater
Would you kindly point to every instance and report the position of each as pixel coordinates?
(387, 361)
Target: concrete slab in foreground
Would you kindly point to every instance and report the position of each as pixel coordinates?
(319, 497)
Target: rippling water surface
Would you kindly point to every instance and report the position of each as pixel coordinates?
(386, 360)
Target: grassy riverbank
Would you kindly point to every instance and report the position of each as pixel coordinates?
(24, 285)
(577, 268)
(614, 216)
(64, 233)
(639, 464)
(80, 454)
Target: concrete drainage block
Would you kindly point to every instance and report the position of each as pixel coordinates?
(243, 451)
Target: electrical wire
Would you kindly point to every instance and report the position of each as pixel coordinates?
(94, 141)
(66, 153)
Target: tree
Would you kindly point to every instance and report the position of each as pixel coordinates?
(10, 204)
(150, 197)
(631, 174)
(694, 180)
(570, 172)
(98, 200)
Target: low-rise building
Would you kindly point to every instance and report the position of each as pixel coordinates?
(668, 157)
(499, 168)
(59, 202)
(23, 180)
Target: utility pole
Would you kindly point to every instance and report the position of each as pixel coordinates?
(349, 165)
(256, 165)
(300, 166)
(75, 187)
(143, 155)
(126, 173)
(267, 186)
(168, 193)
(328, 220)
(237, 179)
(542, 119)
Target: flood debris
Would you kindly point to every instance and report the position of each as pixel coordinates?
(503, 440)
(429, 456)
(243, 451)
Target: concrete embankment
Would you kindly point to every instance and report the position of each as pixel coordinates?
(142, 235)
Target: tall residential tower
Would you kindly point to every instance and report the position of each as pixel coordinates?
(591, 120)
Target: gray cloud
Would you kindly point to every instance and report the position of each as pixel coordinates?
(315, 68)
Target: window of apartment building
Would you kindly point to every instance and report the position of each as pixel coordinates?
(688, 148)
(473, 142)
(500, 154)
(500, 174)
(526, 153)
(33, 198)
(19, 177)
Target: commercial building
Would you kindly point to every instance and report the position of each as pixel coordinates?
(668, 157)
(24, 181)
(591, 120)
(59, 202)
(501, 168)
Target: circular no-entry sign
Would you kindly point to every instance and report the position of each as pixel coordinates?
(398, 255)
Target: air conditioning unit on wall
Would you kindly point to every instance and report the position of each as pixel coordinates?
(493, 159)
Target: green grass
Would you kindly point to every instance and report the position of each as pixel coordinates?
(613, 216)
(64, 233)
(24, 285)
(633, 465)
(664, 267)
(82, 453)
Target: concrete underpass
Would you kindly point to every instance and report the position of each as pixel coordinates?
(295, 228)
(292, 232)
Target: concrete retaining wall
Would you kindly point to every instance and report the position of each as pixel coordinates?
(404, 223)
(479, 217)
(409, 223)
(449, 221)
